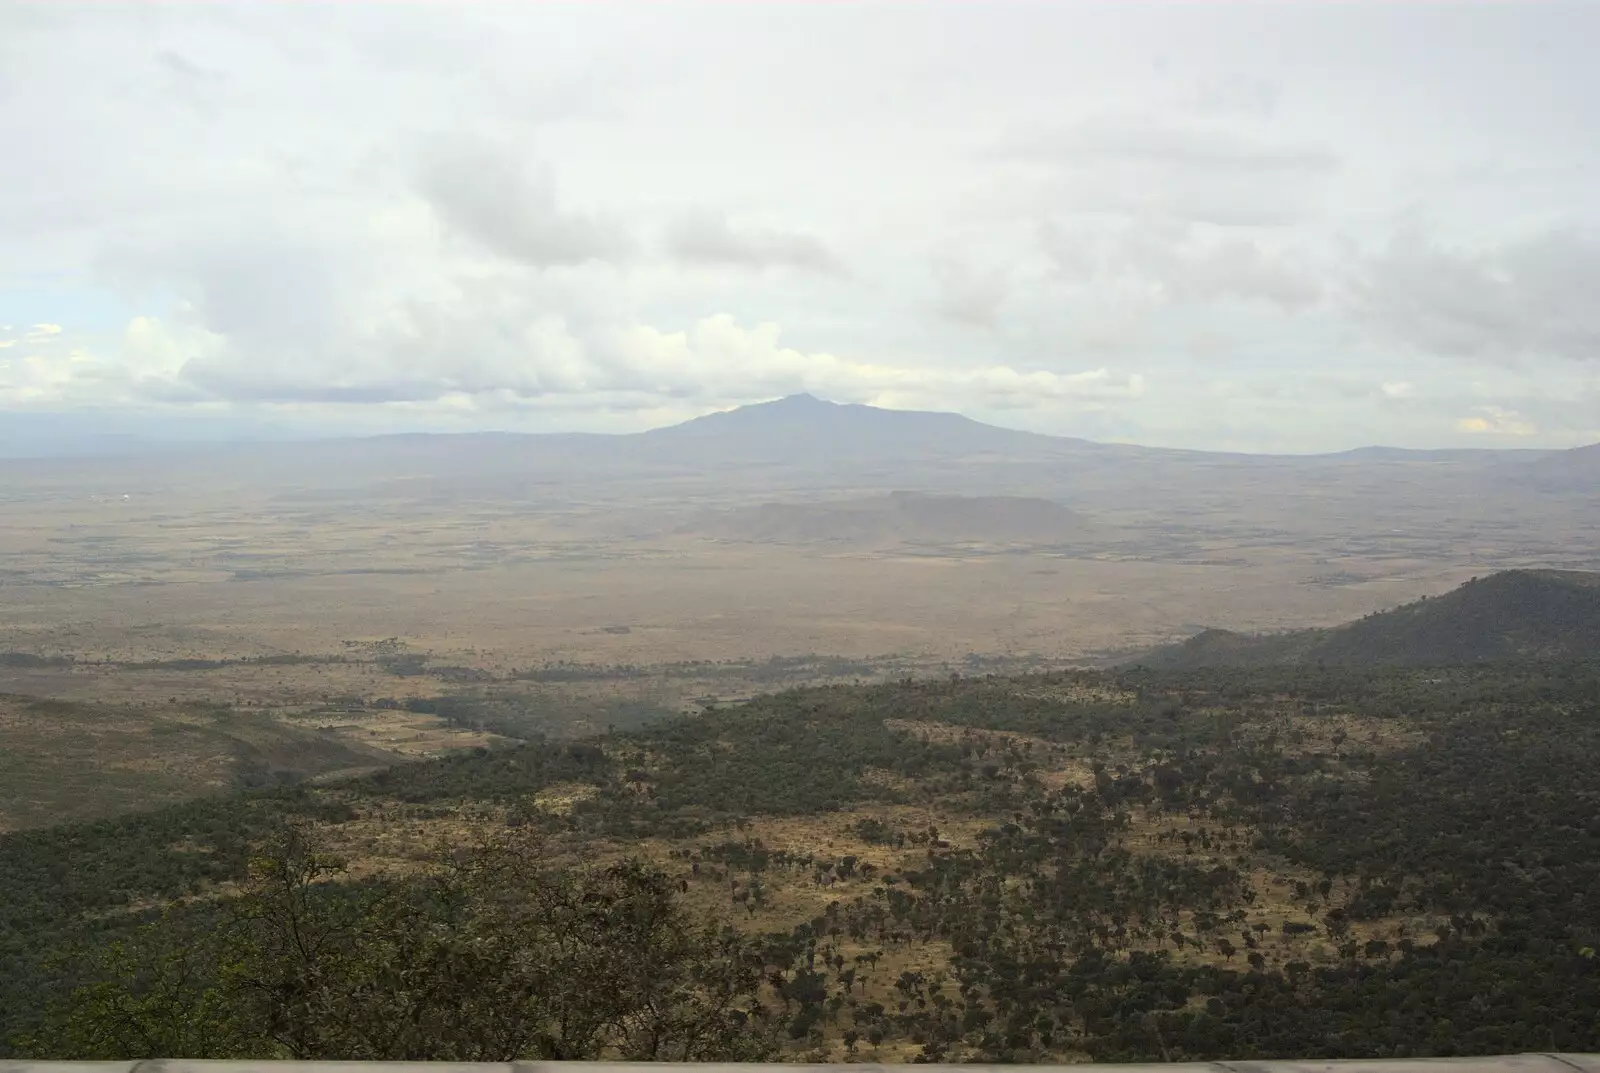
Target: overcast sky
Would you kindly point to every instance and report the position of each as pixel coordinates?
(1256, 225)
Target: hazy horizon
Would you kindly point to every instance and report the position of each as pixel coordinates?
(52, 436)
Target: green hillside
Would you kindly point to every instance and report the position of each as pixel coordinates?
(1307, 862)
(1510, 616)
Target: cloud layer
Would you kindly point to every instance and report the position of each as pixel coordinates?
(1200, 228)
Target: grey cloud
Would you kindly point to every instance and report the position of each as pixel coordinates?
(252, 383)
(1192, 148)
(1237, 94)
(969, 295)
(185, 72)
(1528, 297)
(285, 279)
(1222, 202)
(195, 85)
(1241, 269)
(1179, 267)
(284, 293)
(1141, 167)
(487, 193)
(704, 237)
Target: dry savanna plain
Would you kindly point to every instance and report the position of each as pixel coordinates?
(175, 622)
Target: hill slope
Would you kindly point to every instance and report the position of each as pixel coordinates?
(66, 761)
(1515, 615)
(1575, 470)
(903, 848)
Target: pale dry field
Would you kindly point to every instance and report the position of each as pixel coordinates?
(499, 553)
(115, 571)
(497, 590)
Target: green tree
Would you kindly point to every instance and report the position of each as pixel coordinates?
(154, 993)
(489, 955)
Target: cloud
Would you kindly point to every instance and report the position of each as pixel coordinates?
(1003, 387)
(1236, 94)
(188, 81)
(43, 378)
(1522, 298)
(42, 333)
(1195, 149)
(718, 356)
(1494, 421)
(276, 287)
(153, 348)
(1528, 297)
(1239, 268)
(968, 294)
(488, 193)
(133, 375)
(487, 366)
(1139, 166)
(704, 237)
(1171, 263)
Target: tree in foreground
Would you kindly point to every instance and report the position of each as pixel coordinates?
(488, 955)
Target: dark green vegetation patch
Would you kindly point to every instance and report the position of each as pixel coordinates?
(1467, 797)
(1516, 615)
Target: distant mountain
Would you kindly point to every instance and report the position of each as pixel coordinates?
(1515, 615)
(899, 518)
(803, 448)
(799, 442)
(803, 427)
(1577, 469)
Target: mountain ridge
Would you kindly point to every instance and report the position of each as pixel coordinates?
(805, 430)
(1507, 616)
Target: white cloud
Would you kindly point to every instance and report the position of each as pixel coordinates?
(154, 348)
(716, 361)
(1495, 421)
(41, 378)
(705, 237)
